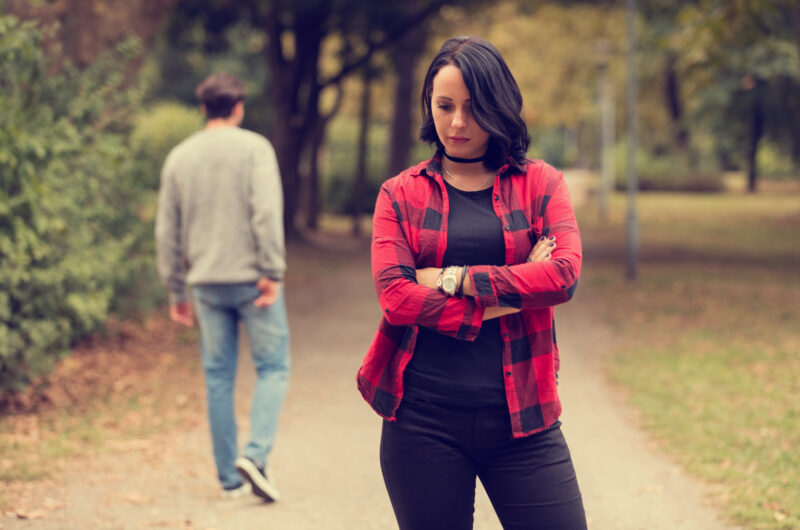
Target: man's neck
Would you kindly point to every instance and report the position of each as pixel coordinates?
(218, 123)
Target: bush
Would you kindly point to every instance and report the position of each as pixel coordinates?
(550, 145)
(664, 173)
(772, 163)
(156, 132)
(68, 207)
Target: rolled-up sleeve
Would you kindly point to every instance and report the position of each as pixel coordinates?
(542, 284)
(404, 302)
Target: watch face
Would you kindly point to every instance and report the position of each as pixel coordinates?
(449, 284)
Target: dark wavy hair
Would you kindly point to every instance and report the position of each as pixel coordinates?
(495, 99)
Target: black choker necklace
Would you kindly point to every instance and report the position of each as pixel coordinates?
(464, 160)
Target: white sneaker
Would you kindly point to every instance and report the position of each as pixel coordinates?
(259, 478)
(235, 493)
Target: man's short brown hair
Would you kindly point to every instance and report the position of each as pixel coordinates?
(220, 93)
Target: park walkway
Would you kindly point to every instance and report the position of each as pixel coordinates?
(326, 457)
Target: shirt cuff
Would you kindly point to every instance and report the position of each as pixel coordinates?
(480, 277)
(275, 276)
(178, 297)
(476, 321)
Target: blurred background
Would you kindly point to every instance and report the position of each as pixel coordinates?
(94, 94)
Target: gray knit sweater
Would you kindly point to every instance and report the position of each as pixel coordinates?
(220, 211)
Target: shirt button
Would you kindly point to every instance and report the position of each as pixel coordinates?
(497, 197)
(508, 374)
(507, 227)
(505, 335)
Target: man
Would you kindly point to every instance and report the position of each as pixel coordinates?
(219, 230)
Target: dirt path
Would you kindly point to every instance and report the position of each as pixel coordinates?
(626, 483)
(326, 454)
(326, 457)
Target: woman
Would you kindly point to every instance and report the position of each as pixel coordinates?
(464, 365)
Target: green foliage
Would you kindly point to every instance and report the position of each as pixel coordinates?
(188, 51)
(339, 180)
(551, 146)
(67, 204)
(156, 132)
(775, 164)
(664, 172)
(742, 60)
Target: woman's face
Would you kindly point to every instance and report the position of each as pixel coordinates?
(460, 135)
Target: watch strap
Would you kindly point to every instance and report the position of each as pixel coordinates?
(460, 291)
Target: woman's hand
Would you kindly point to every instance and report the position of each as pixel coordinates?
(543, 249)
(428, 276)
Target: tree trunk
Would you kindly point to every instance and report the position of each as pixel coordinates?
(296, 87)
(406, 57)
(294, 96)
(756, 132)
(797, 27)
(288, 145)
(672, 94)
(360, 185)
(313, 206)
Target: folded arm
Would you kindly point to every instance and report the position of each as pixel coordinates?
(535, 284)
(541, 252)
(403, 300)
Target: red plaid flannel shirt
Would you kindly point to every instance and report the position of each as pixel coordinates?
(410, 232)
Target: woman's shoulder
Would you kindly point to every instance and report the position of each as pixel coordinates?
(416, 176)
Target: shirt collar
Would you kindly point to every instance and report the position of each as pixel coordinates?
(433, 166)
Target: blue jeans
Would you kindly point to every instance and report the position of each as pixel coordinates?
(220, 308)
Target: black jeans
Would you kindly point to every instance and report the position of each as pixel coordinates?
(432, 454)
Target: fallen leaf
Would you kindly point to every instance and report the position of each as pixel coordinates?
(33, 514)
(52, 504)
(134, 498)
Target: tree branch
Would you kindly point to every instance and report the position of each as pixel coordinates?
(336, 104)
(388, 39)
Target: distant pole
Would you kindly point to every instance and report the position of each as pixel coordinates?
(606, 130)
(632, 222)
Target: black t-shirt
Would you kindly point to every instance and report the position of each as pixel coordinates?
(445, 369)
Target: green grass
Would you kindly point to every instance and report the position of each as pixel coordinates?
(32, 445)
(710, 339)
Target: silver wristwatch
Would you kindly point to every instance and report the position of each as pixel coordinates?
(448, 280)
